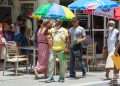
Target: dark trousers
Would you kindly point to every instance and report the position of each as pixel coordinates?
(76, 48)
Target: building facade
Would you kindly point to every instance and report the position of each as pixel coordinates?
(18, 7)
(10, 9)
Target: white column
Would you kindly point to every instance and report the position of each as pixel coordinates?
(105, 30)
(89, 16)
(57, 1)
(119, 25)
(39, 2)
(15, 10)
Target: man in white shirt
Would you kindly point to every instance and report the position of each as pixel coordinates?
(112, 41)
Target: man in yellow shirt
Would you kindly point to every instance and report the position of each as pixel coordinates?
(59, 35)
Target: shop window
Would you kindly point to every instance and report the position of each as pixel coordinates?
(5, 14)
(27, 8)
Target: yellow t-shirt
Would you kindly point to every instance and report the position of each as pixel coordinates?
(59, 38)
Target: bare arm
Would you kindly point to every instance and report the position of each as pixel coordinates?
(83, 38)
(117, 43)
(117, 47)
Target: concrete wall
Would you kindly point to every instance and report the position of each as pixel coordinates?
(39, 2)
(15, 10)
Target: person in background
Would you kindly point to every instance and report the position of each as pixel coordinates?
(2, 43)
(112, 41)
(34, 37)
(59, 44)
(19, 34)
(7, 32)
(43, 49)
(77, 36)
(28, 29)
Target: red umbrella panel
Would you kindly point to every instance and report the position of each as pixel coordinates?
(113, 13)
(117, 13)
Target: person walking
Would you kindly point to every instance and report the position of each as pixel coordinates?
(43, 49)
(7, 32)
(77, 37)
(59, 35)
(112, 41)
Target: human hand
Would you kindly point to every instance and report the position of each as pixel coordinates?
(79, 40)
(66, 50)
(115, 53)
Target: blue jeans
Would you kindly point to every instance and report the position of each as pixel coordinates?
(73, 56)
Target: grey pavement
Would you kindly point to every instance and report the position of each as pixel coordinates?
(92, 79)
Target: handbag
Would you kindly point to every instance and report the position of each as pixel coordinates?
(116, 61)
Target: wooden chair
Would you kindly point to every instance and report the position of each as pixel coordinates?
(13, 56)
(91, 56)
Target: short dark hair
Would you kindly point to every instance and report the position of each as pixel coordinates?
(59, 22)
(76, 19)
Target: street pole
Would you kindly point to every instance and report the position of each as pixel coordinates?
(105, 30)
(119, 25)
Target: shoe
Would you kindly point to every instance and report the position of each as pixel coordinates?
(83, 75)
(107, 79)
(36, 77)
(61, 80)
(50, 80)
(36, 74)
(72, 76)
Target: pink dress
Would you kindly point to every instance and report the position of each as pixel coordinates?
(43, 53)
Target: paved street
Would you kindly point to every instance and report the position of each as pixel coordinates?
(92, 79)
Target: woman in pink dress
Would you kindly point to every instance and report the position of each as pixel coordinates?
(43, 49)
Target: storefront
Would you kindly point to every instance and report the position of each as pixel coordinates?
(10, 9)
(28, 6)
(97, 29)
(6, 11)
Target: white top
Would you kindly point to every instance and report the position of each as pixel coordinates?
(112, 38)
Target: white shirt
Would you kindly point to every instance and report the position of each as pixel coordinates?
(111, 41)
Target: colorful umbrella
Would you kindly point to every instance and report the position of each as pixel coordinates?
(53, 11)
(83, 4)
(104, 12)
(92, 4)
(113, 12)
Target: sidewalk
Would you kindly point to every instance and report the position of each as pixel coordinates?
(92, 79)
